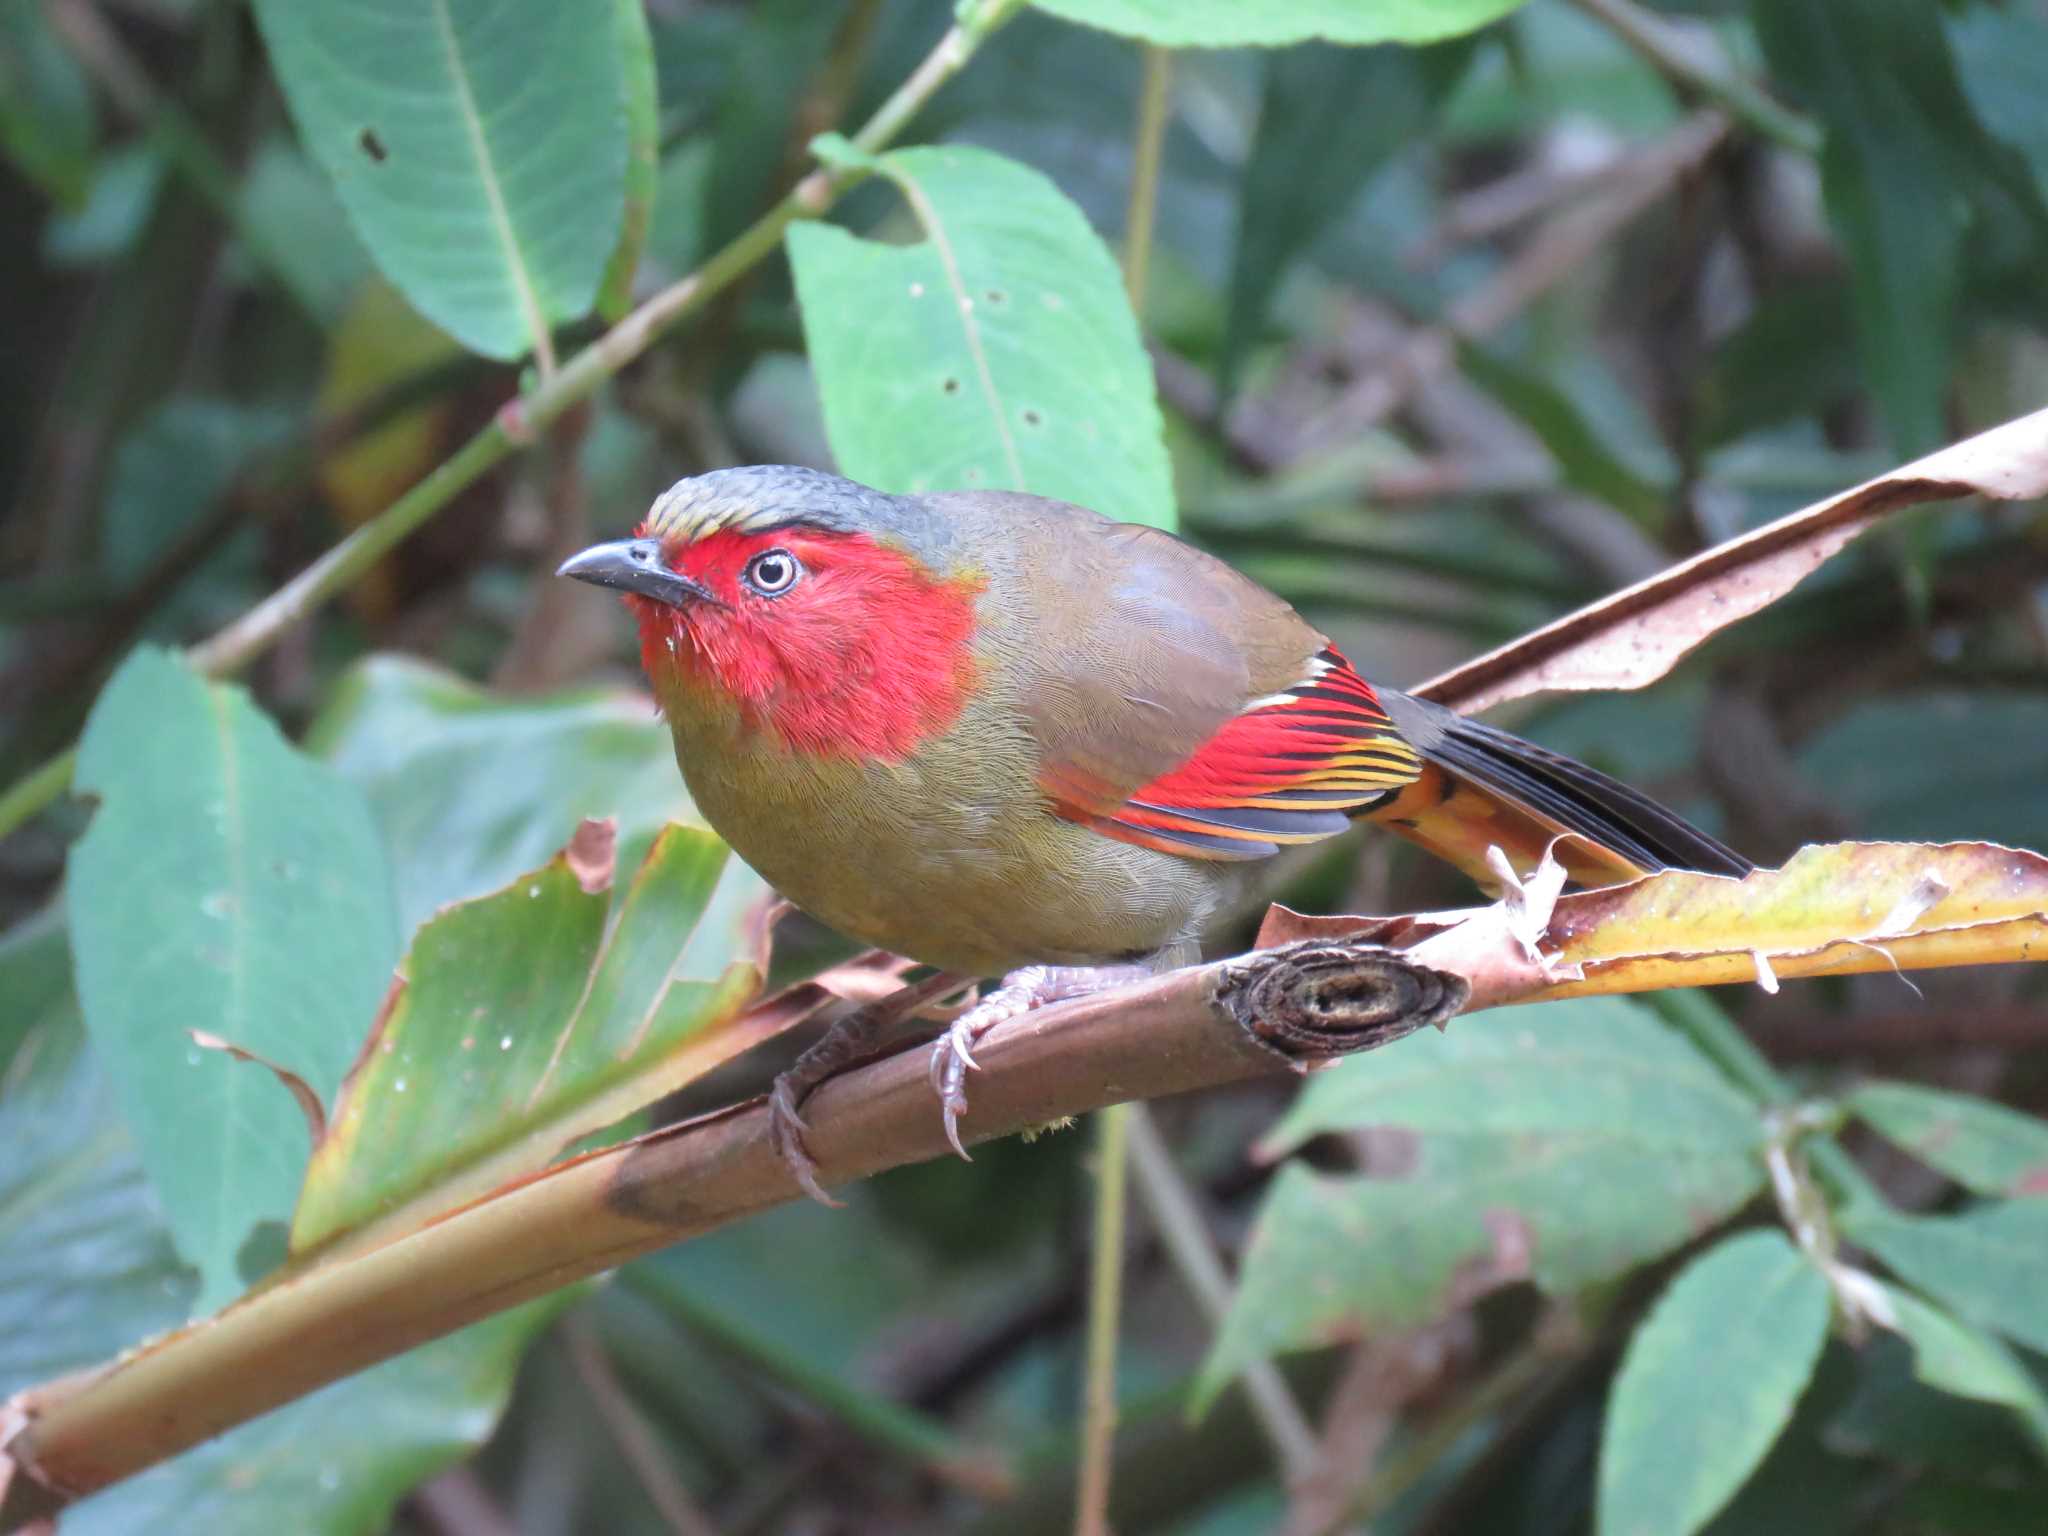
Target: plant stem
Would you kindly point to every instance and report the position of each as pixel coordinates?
(1696, 1016)
(1105, 1300)
(1147, 151)
(886, 1424)
(1178, 1219)
(519, 424)
(1705, 71)
(1113, 1125)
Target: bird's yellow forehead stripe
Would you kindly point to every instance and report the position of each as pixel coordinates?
(688, 510)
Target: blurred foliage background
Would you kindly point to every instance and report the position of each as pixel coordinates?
(1448, 339)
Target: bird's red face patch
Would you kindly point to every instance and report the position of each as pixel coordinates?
(838, 645)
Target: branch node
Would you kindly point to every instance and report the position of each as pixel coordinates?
(1313, 1001)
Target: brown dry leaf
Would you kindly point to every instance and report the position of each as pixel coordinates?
(1832, 910)
(300, 1090)
(1637, 635)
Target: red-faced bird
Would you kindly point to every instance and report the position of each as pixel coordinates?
(1006, 736)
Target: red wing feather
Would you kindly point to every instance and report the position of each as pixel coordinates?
(1288, 768)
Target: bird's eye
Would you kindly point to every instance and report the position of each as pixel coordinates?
(773, 572)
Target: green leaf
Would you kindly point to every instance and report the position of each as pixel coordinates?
(522, 1026)
(1905, 160)
(1982, 1146)
(1999, 52)
(1793, 357)
(999, 353)
(170, 472)
(1709, 1381)
(337, 1462)
(481, 150)
(293, 213)
(87, 1269)
(1328, 118)
(469, 788)
(643, 151)
(118, 202)
(1986, 1263)
(1890, 762)
(1564, 1143)
(47, 123)
(1952, 1356)
(1584, 460)
(226, 884)
(1236, 24)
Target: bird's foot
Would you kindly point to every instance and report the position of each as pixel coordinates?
(1021, 991)
(847, 1043)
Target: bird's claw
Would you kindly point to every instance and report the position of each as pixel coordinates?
(786, 1131)
(950, 1066)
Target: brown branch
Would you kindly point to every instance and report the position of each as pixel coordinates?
(1192, 1029)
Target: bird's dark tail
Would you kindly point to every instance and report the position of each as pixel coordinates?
(1482, 787)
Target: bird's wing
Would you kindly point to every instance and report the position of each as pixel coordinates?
(1187, 709)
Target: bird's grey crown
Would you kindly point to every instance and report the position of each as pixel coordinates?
(758, 497)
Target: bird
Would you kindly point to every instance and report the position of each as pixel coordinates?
(1011, 737)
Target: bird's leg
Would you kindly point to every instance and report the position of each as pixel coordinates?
(1020, 992)
(847, 1043)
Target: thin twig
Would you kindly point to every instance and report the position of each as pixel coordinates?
(636, 1443)
(1105, 1302)
(520, 423)
(1176, 1216)
(1560, 248)
(458, 1504)
(889, 1425)
(1112, 1131)
(1694, 60)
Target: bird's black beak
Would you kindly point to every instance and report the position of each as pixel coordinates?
(636, 565)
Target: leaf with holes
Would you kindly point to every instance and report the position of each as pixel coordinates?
(1236, 24)
(231, 885)
(521, 1024)
(1562, 1144)
(998, 353)
(482, 150)
(1708, 1383)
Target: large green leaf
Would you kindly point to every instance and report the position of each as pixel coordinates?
(1266, 23)
(1904, 160)
(230, 885)
(1986, 1263)
(998, 353)
(523, 1025)
(1565, 1142)
(1708, 1383)
(87, 1269)
(1328, 118)
(1986, 1147)
(643, 153)
(480, 148)
(337, 1462)
(469, 788)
